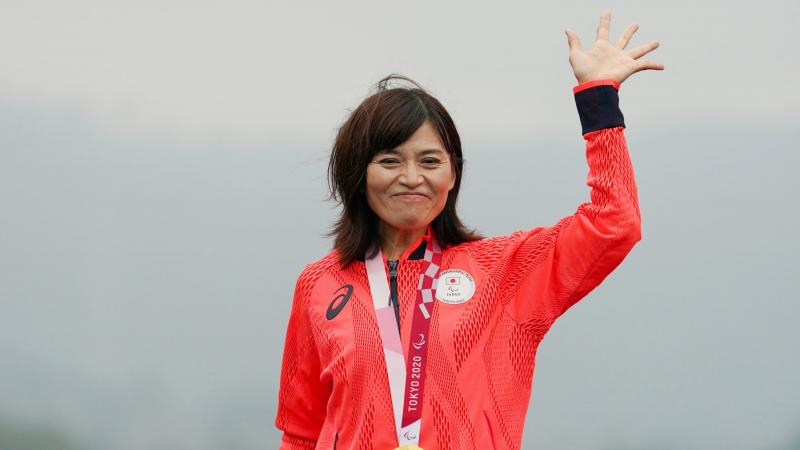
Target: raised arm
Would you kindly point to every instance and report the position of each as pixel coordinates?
(545, 270)
(595, 240)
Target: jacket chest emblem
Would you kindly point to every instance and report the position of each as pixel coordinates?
(455, 286)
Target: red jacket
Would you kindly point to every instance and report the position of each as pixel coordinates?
(334, 391)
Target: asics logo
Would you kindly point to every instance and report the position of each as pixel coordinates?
(341, 296)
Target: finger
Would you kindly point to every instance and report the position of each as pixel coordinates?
(642, 50)
(573, 40)
(623, 40)
(605, 24)
(645, 64)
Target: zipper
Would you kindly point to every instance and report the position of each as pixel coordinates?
(393, 290)
(335, 440)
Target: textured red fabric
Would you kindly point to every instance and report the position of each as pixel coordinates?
(334, 390)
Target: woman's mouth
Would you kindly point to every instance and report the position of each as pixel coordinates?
(411, 196)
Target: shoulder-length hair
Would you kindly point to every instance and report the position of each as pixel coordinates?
(384, 120)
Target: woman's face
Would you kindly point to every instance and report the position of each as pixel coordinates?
(407, 186)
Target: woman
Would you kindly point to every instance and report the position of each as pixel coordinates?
(414, 332)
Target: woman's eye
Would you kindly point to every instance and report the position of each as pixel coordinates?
(389, 161)
(431, 162)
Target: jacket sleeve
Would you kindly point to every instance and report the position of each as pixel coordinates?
(302, 398)
(546, 270)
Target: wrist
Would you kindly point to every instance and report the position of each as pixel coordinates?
(598, 105)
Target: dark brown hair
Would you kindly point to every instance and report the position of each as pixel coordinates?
(384, 120)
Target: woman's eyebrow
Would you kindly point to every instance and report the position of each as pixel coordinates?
(427, 151)
(432, 150)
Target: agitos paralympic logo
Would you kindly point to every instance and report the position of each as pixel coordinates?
(420, 341)
(341, 296)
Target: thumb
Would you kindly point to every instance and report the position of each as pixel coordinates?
(573, 40)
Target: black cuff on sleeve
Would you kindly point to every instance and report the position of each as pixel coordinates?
(598, 108)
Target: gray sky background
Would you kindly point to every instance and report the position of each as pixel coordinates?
(162, 185)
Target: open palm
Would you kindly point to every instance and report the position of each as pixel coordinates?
(606, 60)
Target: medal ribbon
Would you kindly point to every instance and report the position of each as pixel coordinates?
(406, 380)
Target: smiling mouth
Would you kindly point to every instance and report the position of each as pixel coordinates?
(411, 196)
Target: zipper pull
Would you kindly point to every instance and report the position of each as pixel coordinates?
(393, 295)
(392, 279)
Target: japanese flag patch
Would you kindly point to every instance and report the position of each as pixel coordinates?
(455, 286)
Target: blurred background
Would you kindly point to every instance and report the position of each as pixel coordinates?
(162, 184)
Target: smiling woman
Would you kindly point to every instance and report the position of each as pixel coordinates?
(416, 332)
(401, 148)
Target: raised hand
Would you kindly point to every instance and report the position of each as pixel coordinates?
(606, 60)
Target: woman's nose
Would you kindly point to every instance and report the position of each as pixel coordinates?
(410, 174)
